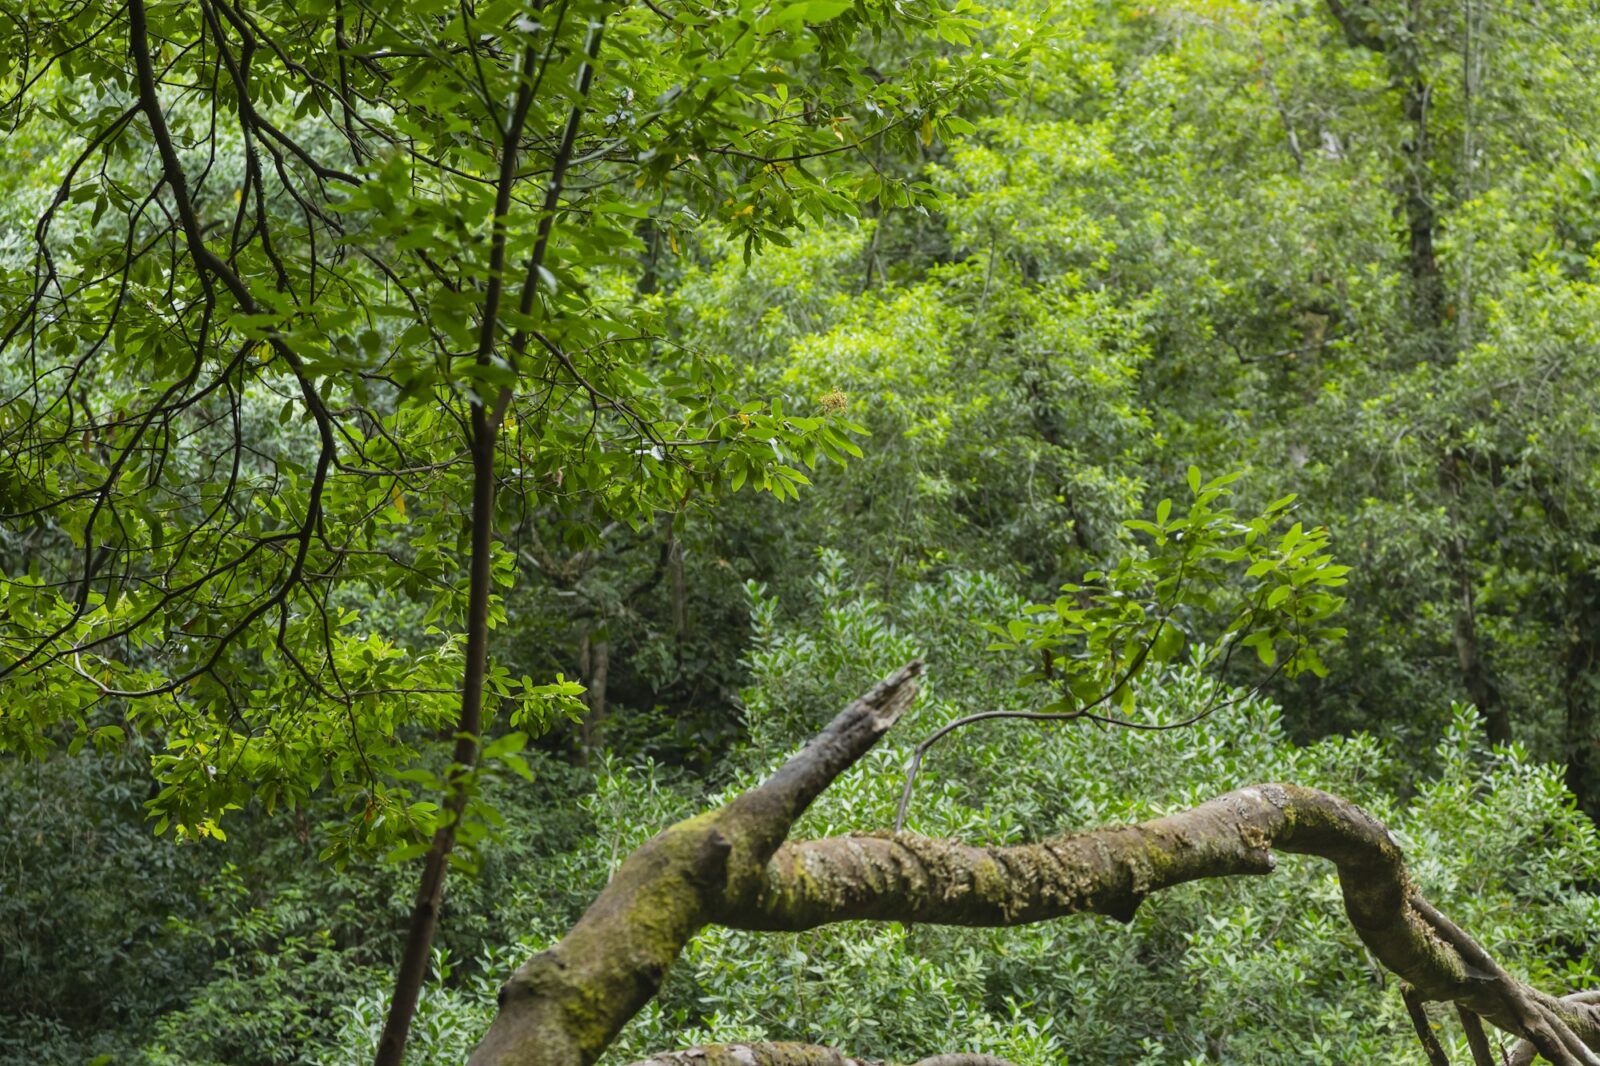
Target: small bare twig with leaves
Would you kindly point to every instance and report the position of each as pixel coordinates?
(1207, 567)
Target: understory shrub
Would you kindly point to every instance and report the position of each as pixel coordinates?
(1244, 970)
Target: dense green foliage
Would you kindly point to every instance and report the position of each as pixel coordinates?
(1264, 971)
(970, 297)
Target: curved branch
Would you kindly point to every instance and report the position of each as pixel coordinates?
(1110, 871)
(727, 866)
(1524, 1053)
(760, 1054)
(787, 1054)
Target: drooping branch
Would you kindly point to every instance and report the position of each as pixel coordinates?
(1424, 1028)
(727, 867)
(1524, 1053)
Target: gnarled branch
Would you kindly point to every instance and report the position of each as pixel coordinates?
(790, 1054)
(732, 867)
(564, 1005)
(760, 1054)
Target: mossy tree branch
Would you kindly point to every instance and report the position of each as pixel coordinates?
(761, 1054)
(788, 1054)
(564, 1005)
(732, 867)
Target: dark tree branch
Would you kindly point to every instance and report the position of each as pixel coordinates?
(1477, 1040)
(1357, 32)
(1424, 1028)
(552, 201)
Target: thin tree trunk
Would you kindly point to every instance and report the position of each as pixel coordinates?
(430, 892)
(1428, 294)
(1475, 675)
(485, 427)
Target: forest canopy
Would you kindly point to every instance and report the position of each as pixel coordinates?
(555, 531)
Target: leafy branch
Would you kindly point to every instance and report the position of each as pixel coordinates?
(1203, 569)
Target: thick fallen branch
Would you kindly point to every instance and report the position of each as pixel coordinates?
(563, 1006)
(755, 1055)
(785, 1054)
(732, 867)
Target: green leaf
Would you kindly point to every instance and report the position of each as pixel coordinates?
(816, 11)
(1167, 644)
(508, 744)
(406, 852)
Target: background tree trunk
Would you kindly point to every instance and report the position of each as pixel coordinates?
(596, 663)
(1581, 687)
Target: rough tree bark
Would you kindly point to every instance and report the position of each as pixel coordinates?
(733, 867)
